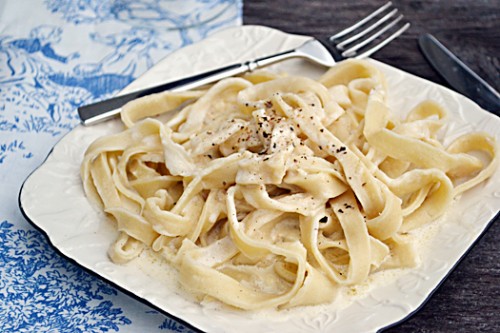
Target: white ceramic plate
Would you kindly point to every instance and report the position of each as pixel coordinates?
(53, 200)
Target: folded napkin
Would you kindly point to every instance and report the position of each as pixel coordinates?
(54, 56)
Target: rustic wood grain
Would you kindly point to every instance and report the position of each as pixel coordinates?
(471, 29)
(469, 300)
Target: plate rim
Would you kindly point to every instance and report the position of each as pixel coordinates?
(190, 325)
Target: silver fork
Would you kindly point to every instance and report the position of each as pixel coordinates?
(360, 40)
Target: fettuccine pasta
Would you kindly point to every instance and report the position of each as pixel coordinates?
(272, 191)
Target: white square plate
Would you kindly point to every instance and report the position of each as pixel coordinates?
(53, 200)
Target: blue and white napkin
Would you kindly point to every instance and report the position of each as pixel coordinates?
(54, 56)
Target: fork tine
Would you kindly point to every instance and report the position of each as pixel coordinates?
(351, 51)
(383, 43)
(341, 45)
(360, 23)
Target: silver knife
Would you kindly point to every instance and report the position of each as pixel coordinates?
(458, 75)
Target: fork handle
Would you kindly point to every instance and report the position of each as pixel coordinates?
(106, 109)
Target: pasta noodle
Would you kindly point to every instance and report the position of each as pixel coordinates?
(271, 191)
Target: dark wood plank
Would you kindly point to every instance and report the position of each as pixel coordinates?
(471, 29)
(469, 300)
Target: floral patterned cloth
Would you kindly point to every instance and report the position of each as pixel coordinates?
(54, 56)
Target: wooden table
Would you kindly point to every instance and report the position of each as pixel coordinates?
(469, 300)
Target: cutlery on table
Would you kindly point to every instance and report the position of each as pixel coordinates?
(360, 40)
(458, 75)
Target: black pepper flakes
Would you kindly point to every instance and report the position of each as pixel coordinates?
(324, 219)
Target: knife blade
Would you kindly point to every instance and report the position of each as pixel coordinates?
(458, 75)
